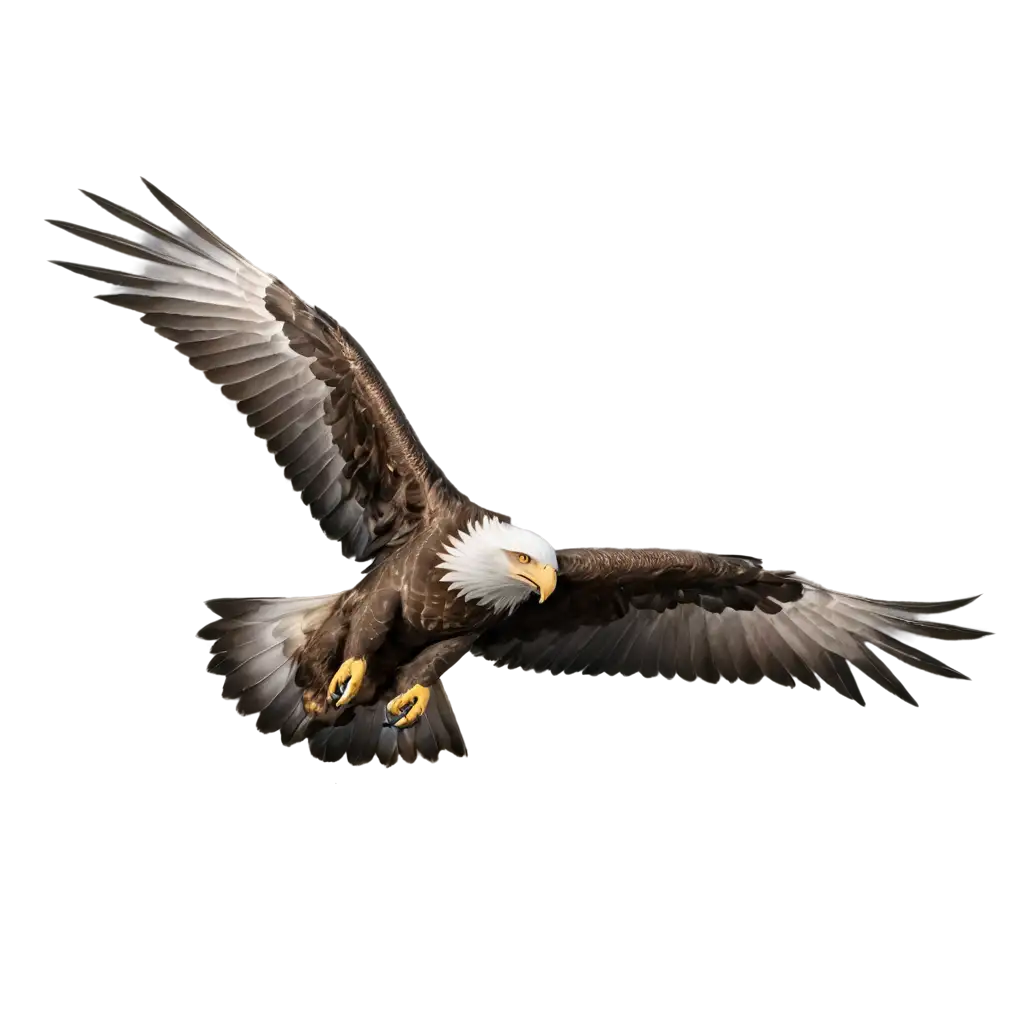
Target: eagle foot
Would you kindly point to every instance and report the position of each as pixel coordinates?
(349, 679)
(407, 708)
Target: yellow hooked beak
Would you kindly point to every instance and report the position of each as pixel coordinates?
(543, 577)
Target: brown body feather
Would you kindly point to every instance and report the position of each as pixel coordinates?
(398, 614)
(313, 395)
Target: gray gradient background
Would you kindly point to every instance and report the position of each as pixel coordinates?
(156, 856)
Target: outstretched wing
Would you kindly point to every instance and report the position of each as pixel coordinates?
(304, 383)
(689, 614)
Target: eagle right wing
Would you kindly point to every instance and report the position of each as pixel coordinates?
(304, 383)
(690, 614)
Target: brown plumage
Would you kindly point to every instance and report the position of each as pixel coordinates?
(358, 674)
(688, 614)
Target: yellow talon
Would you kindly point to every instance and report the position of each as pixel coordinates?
(352, 672)
(413, 703)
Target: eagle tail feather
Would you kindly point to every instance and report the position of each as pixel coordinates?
(255, 643)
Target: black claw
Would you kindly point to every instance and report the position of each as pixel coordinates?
(393, 719)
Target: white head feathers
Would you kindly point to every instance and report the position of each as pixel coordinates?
(477, 561)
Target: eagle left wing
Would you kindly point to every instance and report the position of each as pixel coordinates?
(690, 614)
(305, 385)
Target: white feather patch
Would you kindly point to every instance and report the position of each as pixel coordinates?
(478, 567)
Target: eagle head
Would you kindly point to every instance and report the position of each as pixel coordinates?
(499, 565)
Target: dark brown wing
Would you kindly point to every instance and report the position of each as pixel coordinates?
(304, 383)
(689, 614)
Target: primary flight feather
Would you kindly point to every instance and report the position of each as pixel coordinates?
(358, 674)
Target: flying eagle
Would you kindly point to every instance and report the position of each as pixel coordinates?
(358, 674)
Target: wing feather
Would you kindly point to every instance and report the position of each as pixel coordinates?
(694, 615)
(306, 386)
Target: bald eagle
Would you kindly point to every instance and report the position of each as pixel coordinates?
(358, 674)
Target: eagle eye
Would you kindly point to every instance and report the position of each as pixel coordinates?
(524, 559)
